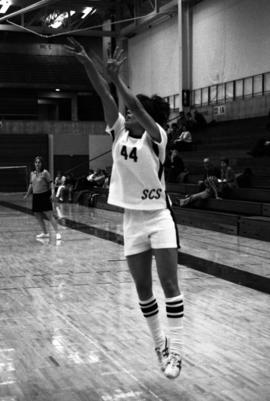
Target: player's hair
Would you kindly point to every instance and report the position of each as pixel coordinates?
(157, 107)
(40, 158)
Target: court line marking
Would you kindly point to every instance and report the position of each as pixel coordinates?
(115, 362)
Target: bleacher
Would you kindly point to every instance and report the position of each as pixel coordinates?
(230, 139)
(249, 218)
(247, 212)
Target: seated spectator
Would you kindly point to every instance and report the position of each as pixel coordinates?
(90, 175)
(261, 148)
(69, 186)
(60, 191)
(181, 120)
(210, 170)
(210, 191)
(227, 179)
(177, 171)
(190, 121)
(107, 182)
(94, 179)
(173, 134)
(184, 142)
(208, 185)
(167, 129)
(98, 178)
(200, 121)
(57, 181)
(107, 172)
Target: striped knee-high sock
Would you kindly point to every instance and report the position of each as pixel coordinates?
(150, 311)
(175, 313)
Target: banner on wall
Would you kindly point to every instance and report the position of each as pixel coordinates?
(220, 110)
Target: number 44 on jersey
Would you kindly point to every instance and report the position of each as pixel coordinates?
(131, 155)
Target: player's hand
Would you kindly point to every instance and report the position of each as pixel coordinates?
(114, 63)
(76, 49)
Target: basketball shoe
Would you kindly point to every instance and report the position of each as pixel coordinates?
(173, 367)
(163, 354)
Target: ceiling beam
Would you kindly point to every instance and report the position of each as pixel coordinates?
(144, 22)
(101, 4)
(40, 31)
(27, 9)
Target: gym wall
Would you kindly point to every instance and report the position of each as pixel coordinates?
(153, 60)
(230, 40)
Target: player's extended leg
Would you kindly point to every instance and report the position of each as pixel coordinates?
(140, 266)
(40, 218)
(52, 220)
(166, 260)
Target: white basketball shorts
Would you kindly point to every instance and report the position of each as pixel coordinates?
(144, 230)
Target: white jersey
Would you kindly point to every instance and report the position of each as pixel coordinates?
(137, 179)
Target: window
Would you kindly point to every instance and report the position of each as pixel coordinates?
(229, 91)
(221, 93)
(258, 84)
(248, 87)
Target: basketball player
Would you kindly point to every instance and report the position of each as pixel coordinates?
(41, 186)
(137, 185)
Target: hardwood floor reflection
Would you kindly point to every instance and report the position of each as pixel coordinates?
(71, 329)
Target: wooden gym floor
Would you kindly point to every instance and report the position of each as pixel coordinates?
(71, 329)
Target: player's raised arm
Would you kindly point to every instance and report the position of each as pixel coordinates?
(97, 80)
(130, 100)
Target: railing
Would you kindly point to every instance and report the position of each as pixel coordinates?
(244, 88)
(86, 162)
(248, 87)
